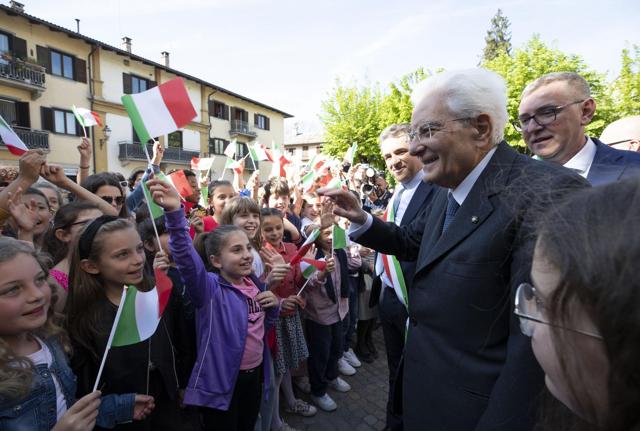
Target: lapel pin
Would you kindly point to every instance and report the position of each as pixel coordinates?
(474, 219)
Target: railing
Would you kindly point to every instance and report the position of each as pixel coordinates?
(242, 128)
(133, 151)
(33, 139)
(20, 71)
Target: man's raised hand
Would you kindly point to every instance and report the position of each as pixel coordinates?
(346, 204)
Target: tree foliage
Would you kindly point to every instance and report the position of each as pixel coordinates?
(396, 105)
(498, 38)
(351, 113)
(625, 88)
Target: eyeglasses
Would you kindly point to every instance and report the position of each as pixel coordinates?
(528, 307)
(428, 129)
(543, 117)
(110, 199)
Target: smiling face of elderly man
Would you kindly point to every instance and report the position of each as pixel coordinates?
(456, 122)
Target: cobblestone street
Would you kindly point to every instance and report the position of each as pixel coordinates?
(362, 408)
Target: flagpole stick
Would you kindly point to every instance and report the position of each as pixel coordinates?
(303, 286)
(153, 221)
(110, 340)
(84, 130)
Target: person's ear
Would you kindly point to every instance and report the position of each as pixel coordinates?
(89, 267)
(215, 261)
(588, 111)
(483, 129)
(62, 235)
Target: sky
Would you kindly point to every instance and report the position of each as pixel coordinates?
(288, 54)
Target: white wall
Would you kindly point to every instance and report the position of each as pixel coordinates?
(121, 130)
(190, 140)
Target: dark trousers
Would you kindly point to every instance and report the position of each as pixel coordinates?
(350, 320)
(325, 348)
(393, 317)
(244, 407)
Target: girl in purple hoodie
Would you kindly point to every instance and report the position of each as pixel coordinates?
(234, 311)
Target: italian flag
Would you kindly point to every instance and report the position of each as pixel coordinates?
(351, 152)
(139, 313)
(85, 117)
(258, 152)
(339, 238)
(304, 248)
(230, 151)
(237, 166)
(201, 164)
(309, 266)
(11, 140)
(160, 110)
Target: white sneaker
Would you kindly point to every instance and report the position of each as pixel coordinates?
(325, 402)
(352, 359)
(302, 383)
(339, 385)
(344, 367)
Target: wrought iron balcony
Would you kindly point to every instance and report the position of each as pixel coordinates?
(33, 139)
(239, 127)
(19, 74)
(133, 151)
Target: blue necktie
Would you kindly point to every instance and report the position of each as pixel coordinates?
(452, 208)
(396, 203)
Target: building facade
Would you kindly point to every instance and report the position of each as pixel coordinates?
(45, 69)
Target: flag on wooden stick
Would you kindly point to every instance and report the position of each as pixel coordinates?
(11, 140)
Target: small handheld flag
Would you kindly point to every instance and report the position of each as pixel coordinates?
(309, 266)
(305, 247)
(85, 117)
(11, 140)
(181, 183)
(339, 238)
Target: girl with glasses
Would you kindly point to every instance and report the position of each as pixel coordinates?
(582, 310)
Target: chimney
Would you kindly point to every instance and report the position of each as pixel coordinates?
(126, 44)
(16, 6)
(165, 56)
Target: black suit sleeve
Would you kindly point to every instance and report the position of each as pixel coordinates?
(401, 242)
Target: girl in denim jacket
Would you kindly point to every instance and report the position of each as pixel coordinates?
(38, 387)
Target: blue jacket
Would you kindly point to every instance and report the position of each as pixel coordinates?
(611, 165)
(221, 322)
(136, 197)
(38, 412)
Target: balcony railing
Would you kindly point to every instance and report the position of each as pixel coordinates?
(23, 75)
(33, 139)
(133, 151)
(239, 127)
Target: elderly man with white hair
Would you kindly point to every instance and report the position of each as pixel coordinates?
(467, 366)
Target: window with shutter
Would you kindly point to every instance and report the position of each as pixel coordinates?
(60, 121)
(126, 83)
(62, 64)
(22, 114)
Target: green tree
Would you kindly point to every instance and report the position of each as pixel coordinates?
(625, 89)
(396, 106)
(351, 113)
(536, 59)
(498, 38)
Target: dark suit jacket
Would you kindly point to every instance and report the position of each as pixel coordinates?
(417, 206)
(610, 165)
(467, 365)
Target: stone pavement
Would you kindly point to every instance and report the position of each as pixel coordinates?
(362, 408)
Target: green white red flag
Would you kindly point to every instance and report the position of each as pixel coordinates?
(309, 266)
(230, 151)
(304, 248)
(202, 164)
(160, 110)
(85, 117)
(258, 152)
(339, 238)
(140, 312)
(11, 140)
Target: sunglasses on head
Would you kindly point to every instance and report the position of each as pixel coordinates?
(110, 199)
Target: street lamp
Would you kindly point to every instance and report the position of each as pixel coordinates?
(106, 133)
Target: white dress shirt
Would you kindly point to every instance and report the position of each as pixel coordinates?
(582, 161)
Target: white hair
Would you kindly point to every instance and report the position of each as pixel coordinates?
(469, 93)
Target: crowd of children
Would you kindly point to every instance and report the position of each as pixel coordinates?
(242, 324)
